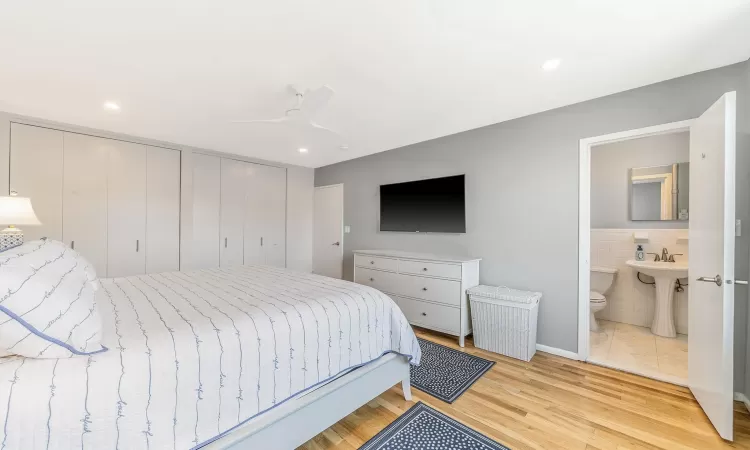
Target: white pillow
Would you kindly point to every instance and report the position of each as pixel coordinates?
(47, 307)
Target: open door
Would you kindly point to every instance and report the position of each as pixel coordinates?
(711, 262)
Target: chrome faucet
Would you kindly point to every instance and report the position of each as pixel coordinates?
(665, 254)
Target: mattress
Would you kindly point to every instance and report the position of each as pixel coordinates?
(193, 354)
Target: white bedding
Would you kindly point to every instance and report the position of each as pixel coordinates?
(193, 355)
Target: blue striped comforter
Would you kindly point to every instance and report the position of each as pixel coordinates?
(193, 355)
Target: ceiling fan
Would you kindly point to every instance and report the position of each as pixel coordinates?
(308, 104)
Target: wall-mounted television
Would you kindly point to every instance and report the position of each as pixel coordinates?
(436, 205)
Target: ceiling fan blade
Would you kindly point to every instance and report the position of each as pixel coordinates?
(279, 120)
(321, 127)
(314, 100)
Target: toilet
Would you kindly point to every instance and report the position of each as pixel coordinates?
(601, 280)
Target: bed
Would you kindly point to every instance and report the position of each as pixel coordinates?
(214, 358)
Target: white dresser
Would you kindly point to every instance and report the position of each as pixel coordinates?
(429, 289)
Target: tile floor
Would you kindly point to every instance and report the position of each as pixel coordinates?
(636, 349)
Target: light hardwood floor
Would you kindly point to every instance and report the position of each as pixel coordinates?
(553, 403)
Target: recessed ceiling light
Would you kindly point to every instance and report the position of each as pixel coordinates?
(303, 150)
(551, 64)
(111, 106)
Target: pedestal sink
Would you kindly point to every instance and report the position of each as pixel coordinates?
(665, 274)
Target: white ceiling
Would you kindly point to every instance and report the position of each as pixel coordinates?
(404, 71)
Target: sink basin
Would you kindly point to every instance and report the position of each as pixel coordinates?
(660, 268)
(665, 275)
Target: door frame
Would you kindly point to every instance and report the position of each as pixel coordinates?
(341, 237)
(584, 216)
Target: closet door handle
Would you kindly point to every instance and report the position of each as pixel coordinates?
(261, 241)
(72, 245)
(424, 289)
(137, 245)
(225, 242)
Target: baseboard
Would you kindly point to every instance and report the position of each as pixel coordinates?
(558, 352)
(740, 397)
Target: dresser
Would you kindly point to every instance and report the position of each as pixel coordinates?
(429, 289)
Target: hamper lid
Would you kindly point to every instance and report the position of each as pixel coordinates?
(504, 293)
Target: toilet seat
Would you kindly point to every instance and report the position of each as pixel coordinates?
(596, 297)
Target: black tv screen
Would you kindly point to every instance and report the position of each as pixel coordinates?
(427, 206)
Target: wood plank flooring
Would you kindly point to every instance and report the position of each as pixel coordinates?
(553, 403)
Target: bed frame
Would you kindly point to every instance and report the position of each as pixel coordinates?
(298, 420)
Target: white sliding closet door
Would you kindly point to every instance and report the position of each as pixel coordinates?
(254, 205)
(265, 216)
(162, 210)
(126, 210)
(36, 171)
(233, 188)
(84, 225)
(274, 244)
(206, 210)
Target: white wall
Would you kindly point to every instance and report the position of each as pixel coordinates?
(299, 188)
(629, 300)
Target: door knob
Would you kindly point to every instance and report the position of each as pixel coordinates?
(336, 243)
(424, 313)
(716, 279)
(372, 279)
(424, 289)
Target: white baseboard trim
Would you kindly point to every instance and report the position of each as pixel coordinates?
(740, 397)
(558, 351)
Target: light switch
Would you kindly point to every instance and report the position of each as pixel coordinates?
(738, 228)
(347, 229)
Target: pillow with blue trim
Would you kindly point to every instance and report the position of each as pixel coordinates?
(47, 306)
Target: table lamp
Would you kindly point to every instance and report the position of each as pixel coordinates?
(15, 211)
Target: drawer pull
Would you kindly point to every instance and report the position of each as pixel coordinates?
(424, 269)
(424, 289)
(372, 279)
(372, 262)
(424, 313)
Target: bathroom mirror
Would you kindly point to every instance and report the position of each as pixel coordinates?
(660, 192)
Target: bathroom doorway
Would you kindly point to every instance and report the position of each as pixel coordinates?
(658, 254)
(639, 214)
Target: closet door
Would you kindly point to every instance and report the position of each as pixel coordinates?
(126, 210)
(206, 210)
(84, 225)
(233, 188)
(36, 171)
(254, 214)
(162, 210)
(274, 242)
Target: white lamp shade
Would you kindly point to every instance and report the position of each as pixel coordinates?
(17, 211)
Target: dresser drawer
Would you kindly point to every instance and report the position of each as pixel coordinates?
(430, 315)
(382, 281)
(430, 269)
(375, 262)
(432, 289)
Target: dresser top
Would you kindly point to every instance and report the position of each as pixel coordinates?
(420, 256)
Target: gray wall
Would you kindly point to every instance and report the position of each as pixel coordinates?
(522, 192)
(610, 183)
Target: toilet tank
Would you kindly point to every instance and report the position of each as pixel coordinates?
(602, 278)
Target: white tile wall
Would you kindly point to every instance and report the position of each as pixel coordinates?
(629, 300)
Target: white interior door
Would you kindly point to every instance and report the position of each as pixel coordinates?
(36, 171)
(274, 237)
(85, 197)
(126, 209)
(328, 231)
(233, 182)
(711, 264)
(254, 214)
(206, 210)
(162, 210)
